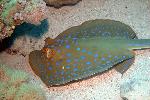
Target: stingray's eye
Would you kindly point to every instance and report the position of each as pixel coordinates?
(45, 50)
(50, 53)
(53, 52)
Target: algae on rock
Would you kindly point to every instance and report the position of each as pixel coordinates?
(59, 3)
(15, 12)
(16, 85)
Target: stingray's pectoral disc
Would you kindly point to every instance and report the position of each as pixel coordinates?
(82, 51)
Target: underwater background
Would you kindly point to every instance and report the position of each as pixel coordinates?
(111, 85)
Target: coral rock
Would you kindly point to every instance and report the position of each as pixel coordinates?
(16, 85)
(135, 85)
(15, 12)
(59, 3)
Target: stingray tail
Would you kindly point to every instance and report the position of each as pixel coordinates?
(139, 44)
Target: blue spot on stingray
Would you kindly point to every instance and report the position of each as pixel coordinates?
(66, 41)
(76, 60)
(82, 57)
(107, 62)
(109, 56)
(89, 67)
(57, 73)
(88, 63)
(74, 64)
(85, 72)
(67, 46)
(77, 32)
(67, 67)
(78, 49)
(50, 68)
(75, 69)
(74, 39)
(65, 35)
(61, 41)
(138, 44)
(96, 55)
(96, 28)
(103, 59)
(58, 51)
(89, 53)
(106, 33)
(57, 63)
(95, 60)
(123, 56)
(58, 40)
(116, 57)
(69, 36)
(83, 50)
(76, 43)
(93, 32)
(85, 32)
(52, 59)
(68, 54)
(68, 60)
(62, 72)
(63, 78)
(75, 75)
(68, 76)
(48, 63)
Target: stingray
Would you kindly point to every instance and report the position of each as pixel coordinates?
(85, 50)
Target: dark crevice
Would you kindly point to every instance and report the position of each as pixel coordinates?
(24, 29)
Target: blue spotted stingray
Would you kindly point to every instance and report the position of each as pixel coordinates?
(85, 50)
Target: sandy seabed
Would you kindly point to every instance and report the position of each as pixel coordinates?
(135, 13)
